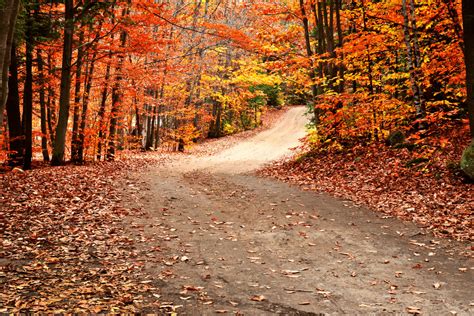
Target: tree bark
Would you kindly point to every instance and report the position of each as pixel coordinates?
(85, 106)
(15, 130)
(77, 101)
(309, 52)
(328, 19)
(101, 113)
(50, 102)
(116, 98)
(417, 58)
(412, 61)
(42, 101)
(453, 14)
(340, 41)
(65, 93)
(320, 37)
(468, 22)
(215, 125)
(8, 15)
(150, 126)
(117, 94)
(28, 93)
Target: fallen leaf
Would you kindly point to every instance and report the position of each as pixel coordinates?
(258, 298)
(413, 310)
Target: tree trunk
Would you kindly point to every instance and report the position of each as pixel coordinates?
(116, 100)
(309, 52)
(28, 94)
(64, 101)
(320, 37)
(85, 106)
(369, 59)
(86, 96)
(453, 14)
(160, 109)
(411, 60)
(468, 22)
(340, 41)
(138, 128)
(15, 130)
(77, 101)
(331, 43)
(8, 14)
(101, 113)
(116, 95)
(50, 103)
(42, 101)
(150, 126)
(328, 19)
(215, 125)
(417, 58)
(158, 123)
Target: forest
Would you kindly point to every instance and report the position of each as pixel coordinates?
(90, 78)
(107, 106)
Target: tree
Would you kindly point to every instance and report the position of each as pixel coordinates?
(64, 98)
(468, 22)
(8, 14)
(467, 160)
(15, 128)
(28, 90)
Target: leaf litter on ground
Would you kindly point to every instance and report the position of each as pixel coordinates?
(434, 195)
(63, 244)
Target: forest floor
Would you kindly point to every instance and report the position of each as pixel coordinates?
(201, 234)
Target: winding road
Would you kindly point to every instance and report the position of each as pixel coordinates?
(231, 242)
(250, 154)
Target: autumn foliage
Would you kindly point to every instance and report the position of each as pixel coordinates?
(369, 68)
(142, 74)
(391, 106)
(150, 74)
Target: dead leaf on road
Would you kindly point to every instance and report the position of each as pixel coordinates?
(258, 298)
(413, 310)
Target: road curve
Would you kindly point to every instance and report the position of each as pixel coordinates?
(269, 145)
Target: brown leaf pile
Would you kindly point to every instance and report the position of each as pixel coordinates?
(431, 193)
(63, 247)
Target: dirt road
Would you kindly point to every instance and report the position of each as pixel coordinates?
(229, 242)
(250, 154)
